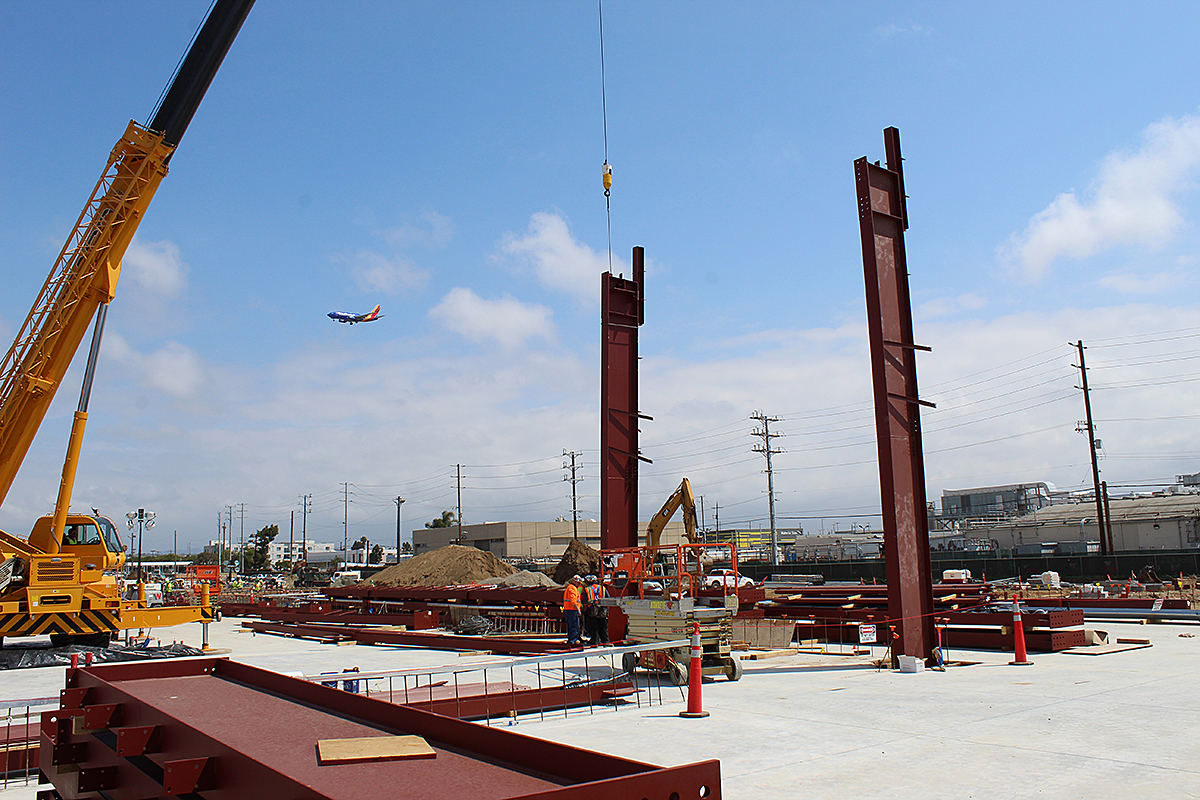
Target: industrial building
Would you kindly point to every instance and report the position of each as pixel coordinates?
(994, 502)
(1167, 522)
(531, 540)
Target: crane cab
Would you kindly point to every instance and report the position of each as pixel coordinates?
(93, 538)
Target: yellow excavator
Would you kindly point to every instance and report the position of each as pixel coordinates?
(682, 497)
(62, 579)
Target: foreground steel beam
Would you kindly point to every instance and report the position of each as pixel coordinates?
(217, 728)
(883, 218)
(622, 311)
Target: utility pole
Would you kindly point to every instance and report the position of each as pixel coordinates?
(220, 540)
(573, 480)
(229, 533)
(399, 502)
(459, 472)
(243, 543)
(1107, 518)
(1101, 517)
(717, 518)
(345, 523)
(306, 503)
(292, 540)
(765, 448)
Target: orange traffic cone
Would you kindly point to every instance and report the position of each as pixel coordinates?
(1020, 658)
(695, 679)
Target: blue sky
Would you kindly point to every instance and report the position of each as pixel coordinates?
(443, 160)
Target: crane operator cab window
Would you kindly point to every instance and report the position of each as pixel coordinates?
(81, 533)
(111, 540)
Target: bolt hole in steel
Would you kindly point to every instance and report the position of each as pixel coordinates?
(704, 792)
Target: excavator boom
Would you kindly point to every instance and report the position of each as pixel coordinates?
(683, 496)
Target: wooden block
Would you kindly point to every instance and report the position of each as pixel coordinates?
(785, 651)
(373, 748)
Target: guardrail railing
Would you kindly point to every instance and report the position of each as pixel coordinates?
(536, 685)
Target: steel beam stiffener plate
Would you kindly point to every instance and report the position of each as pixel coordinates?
(220, 729)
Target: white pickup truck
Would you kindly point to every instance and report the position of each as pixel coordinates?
(722, 576)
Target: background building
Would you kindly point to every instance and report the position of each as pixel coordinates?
(531, 540)
(994, 502)
(1167, 522)
(317, 551)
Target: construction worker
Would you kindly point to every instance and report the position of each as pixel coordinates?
(595, 616)
(572, 607)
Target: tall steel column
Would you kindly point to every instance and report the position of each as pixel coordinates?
(883, 218)
(622, 311)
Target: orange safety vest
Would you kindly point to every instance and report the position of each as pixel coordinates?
(571, 598)
(593, 593)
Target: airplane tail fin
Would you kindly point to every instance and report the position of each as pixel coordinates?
(374, 312)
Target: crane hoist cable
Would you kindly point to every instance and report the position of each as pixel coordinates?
(607, 172)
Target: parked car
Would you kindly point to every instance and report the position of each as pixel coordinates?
(726, 577)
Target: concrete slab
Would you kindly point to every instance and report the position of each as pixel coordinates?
(1123, 726)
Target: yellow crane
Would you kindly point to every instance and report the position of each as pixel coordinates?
(60, 580)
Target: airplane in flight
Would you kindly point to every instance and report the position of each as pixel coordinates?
(343, 316)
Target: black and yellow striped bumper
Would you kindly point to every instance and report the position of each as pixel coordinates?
(76, 622)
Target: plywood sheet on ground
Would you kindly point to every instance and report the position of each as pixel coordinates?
(1105, 649)
(373, 748)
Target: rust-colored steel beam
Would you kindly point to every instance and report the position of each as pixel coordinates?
(478, 702)
(622, 311)
(883, 218)
(513, 595)
(431, 641)
(239, 731)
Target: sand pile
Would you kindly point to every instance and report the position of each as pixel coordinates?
(526, 578)
(452, 565)
(579, 559)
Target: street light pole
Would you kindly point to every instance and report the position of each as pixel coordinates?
(145, 521)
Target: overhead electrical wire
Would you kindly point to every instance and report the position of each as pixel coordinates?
(1160, 336)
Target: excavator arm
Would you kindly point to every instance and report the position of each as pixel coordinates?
(684, 497)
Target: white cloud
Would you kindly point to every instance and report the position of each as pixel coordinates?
(434, 230)
(375, 271)
(1131, 202)
(174, 368)
(1157, 283)
(155, 267)
(945, 306)
(505, 320)
(559, 261)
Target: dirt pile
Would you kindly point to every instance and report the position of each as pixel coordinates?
(579, 559)
(526, 578)
(452, 565)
